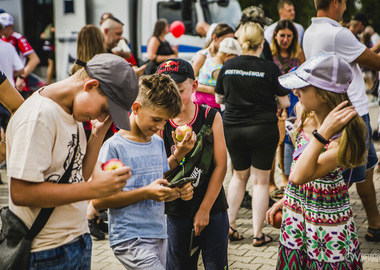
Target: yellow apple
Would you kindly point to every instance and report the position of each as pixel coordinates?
(180, 132)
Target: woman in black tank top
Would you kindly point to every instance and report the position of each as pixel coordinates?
(158, 48)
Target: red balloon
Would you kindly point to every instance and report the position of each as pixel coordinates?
(177, 28)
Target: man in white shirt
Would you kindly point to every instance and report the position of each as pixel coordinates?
(12, 66)
(286, 12)
(325, 34)
(10, 62)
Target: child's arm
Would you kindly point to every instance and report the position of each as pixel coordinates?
(202, 88)
(46, 194)
(182, 148)
(312, 164)
(202, 216)
(156, 191)
(98, 132)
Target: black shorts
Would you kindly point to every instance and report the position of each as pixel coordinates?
(252, 146)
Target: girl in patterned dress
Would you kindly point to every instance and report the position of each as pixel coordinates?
(318, 229)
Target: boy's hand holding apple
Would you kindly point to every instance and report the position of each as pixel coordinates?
(110, 177)
(184, 138)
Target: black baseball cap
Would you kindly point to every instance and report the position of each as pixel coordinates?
(178, 69)
(118, 82)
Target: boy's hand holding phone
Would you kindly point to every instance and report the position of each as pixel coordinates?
(186, 191)
(107, 183)
(158, 190)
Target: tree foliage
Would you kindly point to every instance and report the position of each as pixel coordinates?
(371, 9)
(305, 9)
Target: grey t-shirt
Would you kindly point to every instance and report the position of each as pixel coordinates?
(148, 162)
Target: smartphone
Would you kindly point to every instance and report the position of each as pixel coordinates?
(182, 181)
(194, 243)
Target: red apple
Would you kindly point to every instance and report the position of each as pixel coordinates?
(112, 164)
(181, 131)
(277, 219)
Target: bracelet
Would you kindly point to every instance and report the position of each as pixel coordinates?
(319, 137)
(176, 160)
(4, 142)
(21, 77)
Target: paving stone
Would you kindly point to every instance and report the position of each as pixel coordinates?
(245, 266)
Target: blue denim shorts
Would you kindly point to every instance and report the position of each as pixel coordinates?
(74, 255)
(358, 173)
(288, 157)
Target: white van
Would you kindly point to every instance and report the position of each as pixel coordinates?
(139, 18)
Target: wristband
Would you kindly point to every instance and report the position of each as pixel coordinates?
(319, 137)
(21, 77)
(176, 160)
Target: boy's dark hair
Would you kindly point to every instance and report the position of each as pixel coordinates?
(323, 4)
(159, 91)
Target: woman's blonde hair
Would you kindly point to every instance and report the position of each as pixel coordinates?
(352, 145)
(90, 42)
(294, 48)
(251, 36)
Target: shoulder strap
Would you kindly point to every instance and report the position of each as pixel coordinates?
(284, 65)
(45, 213)
(159, 40)
(210, 115)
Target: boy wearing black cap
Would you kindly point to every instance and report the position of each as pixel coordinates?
(206, 212)
(136, 215)
(44, 137)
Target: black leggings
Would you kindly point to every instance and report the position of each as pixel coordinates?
(253, 145)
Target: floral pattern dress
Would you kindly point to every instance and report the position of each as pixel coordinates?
(318, 229)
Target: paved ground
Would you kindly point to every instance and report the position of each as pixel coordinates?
(242, 255)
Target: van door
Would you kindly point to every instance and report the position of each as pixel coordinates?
(70, 17)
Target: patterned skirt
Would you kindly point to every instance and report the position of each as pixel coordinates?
(318, 230)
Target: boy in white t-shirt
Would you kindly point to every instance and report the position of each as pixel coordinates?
(41, 139)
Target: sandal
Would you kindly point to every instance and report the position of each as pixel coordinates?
(276, 194)
(262, 238)
(235, 235)
(373, 235)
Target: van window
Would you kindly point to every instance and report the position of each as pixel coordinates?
(216, 13)
(172, 11)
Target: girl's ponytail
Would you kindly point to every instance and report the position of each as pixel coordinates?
(352, 146)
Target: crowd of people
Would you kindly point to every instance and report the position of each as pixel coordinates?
(253, 91)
